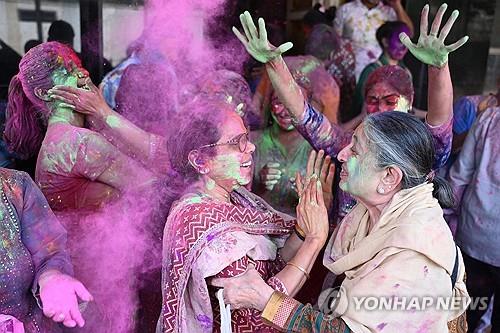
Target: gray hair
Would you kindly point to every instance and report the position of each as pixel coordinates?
(402, 140)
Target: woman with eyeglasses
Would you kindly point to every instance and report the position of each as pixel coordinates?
(218, 229)
(388, 89)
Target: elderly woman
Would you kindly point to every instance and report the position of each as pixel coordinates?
(34, 263)
(391, 91)
(216, 228)
(393, 245)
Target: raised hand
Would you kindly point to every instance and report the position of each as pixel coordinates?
(325, 172)
(430, 48)
(59, 293)
(256, 42)
(270, 175)
(86, 101)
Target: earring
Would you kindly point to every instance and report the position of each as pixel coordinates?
(203, 171)
(380, 190)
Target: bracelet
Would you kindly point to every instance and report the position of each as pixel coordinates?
(299, 233)
(299, 268)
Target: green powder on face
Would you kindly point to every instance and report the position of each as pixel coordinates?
(113, 121)
(403, 105)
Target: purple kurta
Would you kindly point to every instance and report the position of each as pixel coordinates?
(33, 242)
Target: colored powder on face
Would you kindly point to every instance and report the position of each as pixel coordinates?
(403, 105)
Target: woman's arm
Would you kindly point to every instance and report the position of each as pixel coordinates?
(431, 50)
(129, 138)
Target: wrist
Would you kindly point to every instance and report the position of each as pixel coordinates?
(264, 294)
(47, 276)
(315, 241)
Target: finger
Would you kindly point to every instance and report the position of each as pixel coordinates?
(285, 47)
(403, 37)
(319, 194)
(218, 282)
(325, 167)
(59, 317)
(76, 315)
(67, 89)
(83, 293)
(269, 178)
(318, 162)
(60, 98)
(457, 44)
(331, 176)
(273, 171)
(66, 105)
(68, 322)
(424, 21)
(243, 21)
(242, 38)
(310, 163)
(251, 26)
(298, 183)
(48, 312)
(310, 195)
(437, 20)
(447, 27)
(72, 95)
(262, 30)
(273, 165)
(270, 184)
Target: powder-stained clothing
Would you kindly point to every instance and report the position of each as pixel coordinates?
(330, 137)
(33, 242)
(69, 164)
(356, 22)
(409, 253)
(475, 178)
(112, 80)
(206, 237)
(464, 113)
(268, 149)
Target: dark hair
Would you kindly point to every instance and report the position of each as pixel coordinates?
(199, 125)
(61, 31)
(314, 16)
(387, 29)
(26, 114)
(400, 139)
(396, 77)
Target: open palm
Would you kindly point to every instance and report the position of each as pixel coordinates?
(430, 48)
(256, 42)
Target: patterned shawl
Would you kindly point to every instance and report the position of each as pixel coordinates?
(193, 224)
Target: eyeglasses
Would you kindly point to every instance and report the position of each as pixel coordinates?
(241, 141)
(390, 100)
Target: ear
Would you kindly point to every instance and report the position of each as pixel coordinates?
(392, 178)
(385, 43)
(41, 94)
(196, 160)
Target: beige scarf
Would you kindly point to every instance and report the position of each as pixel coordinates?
(408, 255)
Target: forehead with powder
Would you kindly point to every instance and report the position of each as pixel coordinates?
(394, 77)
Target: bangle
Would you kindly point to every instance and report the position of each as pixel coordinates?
(299, 233)
(299, 268)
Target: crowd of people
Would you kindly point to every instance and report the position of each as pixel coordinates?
(173, 198)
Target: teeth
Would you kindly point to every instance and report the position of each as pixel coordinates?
(246, 164)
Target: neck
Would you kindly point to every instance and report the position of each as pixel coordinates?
(374, 211)
(287, 138)
(389, 59)
(208, 186)
(368, 4)
(66, 115)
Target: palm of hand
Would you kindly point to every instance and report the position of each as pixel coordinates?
(431, 51)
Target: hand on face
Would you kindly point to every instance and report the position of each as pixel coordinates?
(255, 41)
(88, 101)
(270, 175)
(247, 290)
(59, 293)
(430, 48)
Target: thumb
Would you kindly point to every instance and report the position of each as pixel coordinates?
(285, 47)
(217, 282)
(403, 37)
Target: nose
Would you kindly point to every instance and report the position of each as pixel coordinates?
(250, 147)
(344, 154)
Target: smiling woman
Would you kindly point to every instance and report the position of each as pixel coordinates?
(76, 168)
